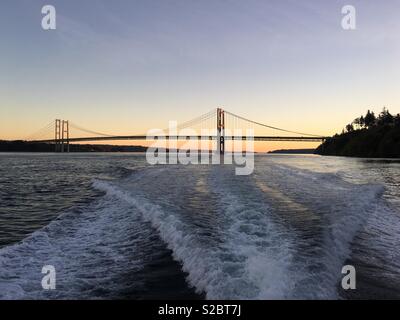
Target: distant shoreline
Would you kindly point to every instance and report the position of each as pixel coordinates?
(292, 151)
(34, 147)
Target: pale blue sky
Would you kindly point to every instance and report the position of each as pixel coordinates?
(123, 66)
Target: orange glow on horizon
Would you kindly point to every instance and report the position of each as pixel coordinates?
(259, 147)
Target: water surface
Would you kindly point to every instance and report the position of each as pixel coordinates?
(115, 227)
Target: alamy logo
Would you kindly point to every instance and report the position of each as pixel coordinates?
(49, 20)
(49, 280)
(164, 148)
(349, 280)
(349, 18)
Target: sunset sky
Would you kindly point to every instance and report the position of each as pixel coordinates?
(125, 66)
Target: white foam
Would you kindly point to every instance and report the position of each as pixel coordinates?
(243, 264)
(88, 248)
(343, 210)
(251, 255)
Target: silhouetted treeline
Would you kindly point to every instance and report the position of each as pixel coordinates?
(367, 136)
(25, 146)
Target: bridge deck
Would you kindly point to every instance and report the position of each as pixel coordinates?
(141, 137)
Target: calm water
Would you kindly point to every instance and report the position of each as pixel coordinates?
(114, 227)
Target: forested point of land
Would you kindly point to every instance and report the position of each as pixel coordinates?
(368, 136)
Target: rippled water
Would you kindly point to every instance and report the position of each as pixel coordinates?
(115, 227)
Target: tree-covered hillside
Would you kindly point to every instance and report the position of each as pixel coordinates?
(367, 136)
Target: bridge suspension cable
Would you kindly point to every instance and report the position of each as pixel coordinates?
(268, 126)
(217, 119)
(45, 131)
(186, 124)
(204, 118)
(197, 120)
(75, 126)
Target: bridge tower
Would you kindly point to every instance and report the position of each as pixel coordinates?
(61, 138)
(65, 136)
(220, 131)
(57, 136)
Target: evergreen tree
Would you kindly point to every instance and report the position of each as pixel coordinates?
(369, 119)
(385, 118)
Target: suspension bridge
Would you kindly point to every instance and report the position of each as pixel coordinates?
(220, 121)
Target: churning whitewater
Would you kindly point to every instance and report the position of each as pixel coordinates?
(283, 232)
